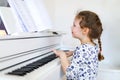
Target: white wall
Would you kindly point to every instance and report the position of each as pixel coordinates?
(62, 13)
(50, 6)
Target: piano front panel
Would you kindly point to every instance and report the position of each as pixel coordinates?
(17, 45)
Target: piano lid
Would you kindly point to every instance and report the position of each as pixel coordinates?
(26, 15)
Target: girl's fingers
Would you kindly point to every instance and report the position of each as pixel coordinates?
(54, 51)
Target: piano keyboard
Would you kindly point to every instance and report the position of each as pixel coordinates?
(32, 66)
(30, 57)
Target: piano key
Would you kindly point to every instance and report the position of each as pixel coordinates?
(17, 73)
(51, 70)
(13, 58)
(32, 66)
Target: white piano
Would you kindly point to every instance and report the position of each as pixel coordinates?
(29, 56)
(24, 53)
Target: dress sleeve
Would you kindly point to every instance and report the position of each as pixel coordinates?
(73, 70)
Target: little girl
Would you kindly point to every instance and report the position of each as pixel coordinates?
(84, 64)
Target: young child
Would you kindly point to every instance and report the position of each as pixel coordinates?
(84, 64)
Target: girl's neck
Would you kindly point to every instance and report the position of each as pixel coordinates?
(87, 41)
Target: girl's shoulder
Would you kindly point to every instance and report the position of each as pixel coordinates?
(87, 47)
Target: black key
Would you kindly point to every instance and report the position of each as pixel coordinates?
(24, 69)
(32, 66)
(17, 73)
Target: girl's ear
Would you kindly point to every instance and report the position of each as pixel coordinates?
(85, 31)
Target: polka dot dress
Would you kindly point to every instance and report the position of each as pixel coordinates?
(84, 64)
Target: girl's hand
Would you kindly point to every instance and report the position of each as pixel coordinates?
(63, 59)
(59, 53)
(69, 53)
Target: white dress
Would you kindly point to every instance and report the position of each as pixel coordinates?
(84, 64)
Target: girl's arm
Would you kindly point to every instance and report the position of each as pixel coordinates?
(63, 58)
(64, 62)
(69, 53)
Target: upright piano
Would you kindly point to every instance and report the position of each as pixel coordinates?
(29, 56)
(24, 53)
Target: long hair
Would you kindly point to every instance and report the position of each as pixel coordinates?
(91, 20)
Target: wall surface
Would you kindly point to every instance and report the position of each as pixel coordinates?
(62, 13)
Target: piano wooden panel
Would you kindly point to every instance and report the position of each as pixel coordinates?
(15, 44)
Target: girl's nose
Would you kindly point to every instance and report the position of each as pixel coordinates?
(71, 27)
